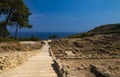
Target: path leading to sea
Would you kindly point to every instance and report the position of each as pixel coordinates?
(37, 66)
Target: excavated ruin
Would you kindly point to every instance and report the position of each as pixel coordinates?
(93, 56)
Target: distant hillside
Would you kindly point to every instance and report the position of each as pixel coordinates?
(104, 29)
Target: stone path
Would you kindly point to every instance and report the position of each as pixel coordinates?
(37, 66)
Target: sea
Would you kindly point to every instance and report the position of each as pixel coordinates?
(42, 35)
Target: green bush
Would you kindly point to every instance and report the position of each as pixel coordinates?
(33, 38)
(53, 37)
(7, 39)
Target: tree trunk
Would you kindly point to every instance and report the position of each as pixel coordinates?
(5, 24)
(16, 31)
(1, 29)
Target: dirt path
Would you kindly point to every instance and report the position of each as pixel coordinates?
(37, 66)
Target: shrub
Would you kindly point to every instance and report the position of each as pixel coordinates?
(7, 39)
(33, 38)
(53, 37)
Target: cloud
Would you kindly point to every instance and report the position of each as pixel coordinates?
(37, 16)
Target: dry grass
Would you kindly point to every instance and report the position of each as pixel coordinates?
(16, 46)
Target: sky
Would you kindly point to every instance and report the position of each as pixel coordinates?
(71, 15)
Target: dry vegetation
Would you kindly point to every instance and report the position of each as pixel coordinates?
(15, 46)
(14, 53)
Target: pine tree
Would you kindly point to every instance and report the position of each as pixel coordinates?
(16, 13)
(21, 17)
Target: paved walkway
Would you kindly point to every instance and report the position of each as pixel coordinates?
(37, 66)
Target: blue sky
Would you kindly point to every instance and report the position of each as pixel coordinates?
(72, 15)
